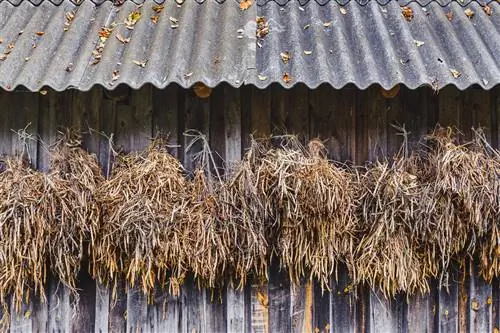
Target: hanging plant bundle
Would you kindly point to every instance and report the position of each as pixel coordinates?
(71, 210)
(247, 218)
(314, 201)
(206, 237)
(23, 232)
(140, 237)
(389, 255)
(461, 198)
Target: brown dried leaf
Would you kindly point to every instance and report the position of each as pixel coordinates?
(449, 16)
(285, 56)
(469, 13)
(327, 24)
(245, 4)
(132, 19)
(3, 56)
(487, 9)
(262, 27)
(115, 75)
(407, 13)
(122, 39)
(140, 63)
(154, 19)
(40, 33)
(158, 8)
(456, 74)
(287, 78)
(10, 46)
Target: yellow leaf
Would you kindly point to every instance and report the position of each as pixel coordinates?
(140, 63)
(475, 305)
(418, 43)
(154, 19)
(469, 13)
(456, 74)
(343, 11)
(285, 56)
(262, 77)
(245, 4)
(158, 8)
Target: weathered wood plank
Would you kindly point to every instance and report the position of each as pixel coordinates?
(166, 116)
(302, 303)
(447, 310)
(450, 106)
(480, 310)
(279, 300)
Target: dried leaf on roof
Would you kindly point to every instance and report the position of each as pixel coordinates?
(418, 43)
(262, 77)
(343, 11)
(407, 13)
(122, 39)
(285, 56)
(306, 52)
(287, 78)
(456, 74)
(154, 19)
(487, 9)
(245, 4)
(449, 16)
(158, 8)
(69, 16)
(132, 19)
(174, 22)
(40, 33)
(327, 24)
(469, 13)
(140, 63)
(262, 27)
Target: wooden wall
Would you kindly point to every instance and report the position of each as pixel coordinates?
(357, 127)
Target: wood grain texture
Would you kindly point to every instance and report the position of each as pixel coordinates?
(355, 125)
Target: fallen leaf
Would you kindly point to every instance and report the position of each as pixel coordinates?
(201, 90)
(140, 63)
(3, 56)
(33, 46)
(132, 19)
(475, 305)
(40, 33)
(27, 314)
(487, 9)
(69, 68)
(154, 19)
(262, 77)
(27, 59)
(245, 4)
(327, 24)
(469, 13)
(285, 56)
(449, 16)
(187, 75)
(174, 22)
(105, 32)
(179, 2)
(418, 43)
(308, 52)
(239, 36)
(407, 13)
(115, 75)
(301, 9)
(287, 78)
(262, 27)
(307, 26)
(122, 39)
(10, 46)
(43, 92)
(343, 11)
(158, 8)
(21, 32)
(240, 31)
(456, 74)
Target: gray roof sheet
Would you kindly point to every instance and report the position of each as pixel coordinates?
(215, 42)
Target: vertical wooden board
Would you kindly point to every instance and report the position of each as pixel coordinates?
(163, 314)
(191, 307)
(479, 105)
(447, 309)
(235, 299)
(345, 307)
(60, 310)
(395, 118)
(217, 133)
(450, 106)
(496, 304)
(386, 315)
(495, 117)
(101, 320)
(260, 120)
(117, 315)
(137, 310)
(302, 305)
(374, 109)
(279, 300)
(297, 120)
(8, 110)
(332, 119)
(479, 304)
(259, 309)
(166, 115)
(421, 313)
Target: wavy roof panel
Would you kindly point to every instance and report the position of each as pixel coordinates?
(213, 42)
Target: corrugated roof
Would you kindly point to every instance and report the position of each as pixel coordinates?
(215, 42)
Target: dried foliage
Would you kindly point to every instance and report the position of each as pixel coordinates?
(23, 232)
(390, 256)
(71, 210)
(140, 236)
(460, 199)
